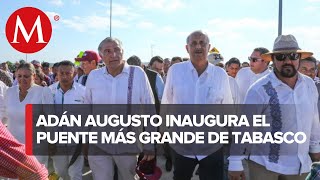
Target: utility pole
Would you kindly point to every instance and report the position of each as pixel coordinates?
(110, 16)
(280, 18)
(152, 46)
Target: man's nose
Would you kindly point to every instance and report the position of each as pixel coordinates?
(112, 54)
(287, 60)
(198, 46)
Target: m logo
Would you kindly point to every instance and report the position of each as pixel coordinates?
(28, 30)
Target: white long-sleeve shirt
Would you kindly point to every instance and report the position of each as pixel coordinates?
(245, 78)
(15, 110)
(103, 88)
(184, 86)
(298, 112)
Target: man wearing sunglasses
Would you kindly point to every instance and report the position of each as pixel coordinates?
(289, 100)
(258, 68)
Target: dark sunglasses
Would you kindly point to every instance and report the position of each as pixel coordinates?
(282, 57)
(254, 59)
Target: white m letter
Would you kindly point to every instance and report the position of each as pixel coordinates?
(27, 36)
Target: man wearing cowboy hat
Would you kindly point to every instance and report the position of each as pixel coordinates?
(284, 86)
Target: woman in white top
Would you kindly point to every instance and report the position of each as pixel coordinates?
(26, 92)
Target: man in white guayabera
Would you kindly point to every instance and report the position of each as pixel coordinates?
(289, 101)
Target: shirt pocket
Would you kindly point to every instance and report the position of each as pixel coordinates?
(78, 100)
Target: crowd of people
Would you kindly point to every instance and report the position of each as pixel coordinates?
(285, 75)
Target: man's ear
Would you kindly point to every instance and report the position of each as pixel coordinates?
(187, 48)
(34, 76)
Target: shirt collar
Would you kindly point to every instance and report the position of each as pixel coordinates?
(192, 68)
(266, 71)
(278, 82)
(126, 69)
(72, 86)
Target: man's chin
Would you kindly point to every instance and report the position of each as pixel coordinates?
(114, 64)
(199, 58)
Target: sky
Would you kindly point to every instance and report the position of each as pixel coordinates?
(148, 28)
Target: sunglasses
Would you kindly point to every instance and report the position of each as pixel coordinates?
(282, 57)
(254, 59)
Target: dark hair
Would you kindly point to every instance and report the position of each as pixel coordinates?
(65, 63)
(176, 58)
(233, 60)
(245, 63)
(40, 74)
(134, 60)
(55, 65)
(310, 59)
(154, 59)
(45, 64)
(261, 50)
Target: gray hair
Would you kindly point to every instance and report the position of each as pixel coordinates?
(27, 66)
(134, 60)
(198, 32)
(106, 40)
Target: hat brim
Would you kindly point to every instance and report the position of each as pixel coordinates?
(78, 59)
(304, 54)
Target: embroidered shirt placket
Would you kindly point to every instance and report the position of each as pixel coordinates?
(276, 124)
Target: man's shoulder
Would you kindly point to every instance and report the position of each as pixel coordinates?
(53, 86)
(139, 73)
(79, 87)
(96, 71)
(181, 65)
(244, 72)
(261, 83)
(217, 69)
(136, 68)
(147, 70)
